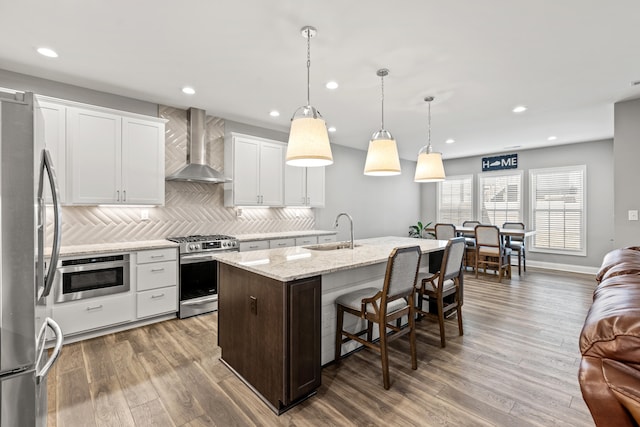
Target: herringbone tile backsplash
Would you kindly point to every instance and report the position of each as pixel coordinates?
(190, 208)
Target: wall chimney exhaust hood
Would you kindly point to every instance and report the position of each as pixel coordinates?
(197, 169)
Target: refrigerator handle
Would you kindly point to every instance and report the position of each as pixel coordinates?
(49, 322)
(47, 164)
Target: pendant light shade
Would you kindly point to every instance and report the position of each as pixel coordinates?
(429, 167)
(308, 138)
(382, 155)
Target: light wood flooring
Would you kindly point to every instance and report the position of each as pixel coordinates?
(516, 365)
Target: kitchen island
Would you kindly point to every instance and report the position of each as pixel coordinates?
(276, 310)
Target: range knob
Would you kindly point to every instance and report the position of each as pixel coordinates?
(192, 247)
(225, 244)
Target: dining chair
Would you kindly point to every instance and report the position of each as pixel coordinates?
(382, 306)
(444, 284)
(470, 240)
(491, 252)
(517, 244)
(445, 231)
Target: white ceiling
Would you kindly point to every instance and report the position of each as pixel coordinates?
(569, 61)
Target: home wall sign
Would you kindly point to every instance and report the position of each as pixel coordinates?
(507, 161)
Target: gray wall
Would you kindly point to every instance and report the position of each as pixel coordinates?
(626, 150)
(597, 155)
(380, 206)
(11, 80)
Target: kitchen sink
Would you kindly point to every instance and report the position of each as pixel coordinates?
(330, 246)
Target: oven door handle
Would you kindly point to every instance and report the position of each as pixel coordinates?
(200, 301)
(191, 259)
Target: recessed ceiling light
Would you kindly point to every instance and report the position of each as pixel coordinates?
(450, 141)
(274, 113)
(49, 53)
(520, 109)
(331, 129)
(332, 85)
(188, 90)
(552, 138)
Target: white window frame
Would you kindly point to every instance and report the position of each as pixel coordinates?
(511, 172)
(438, 194)
(583, 225)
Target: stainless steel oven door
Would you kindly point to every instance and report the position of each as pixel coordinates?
(198, 284)
(88, 280)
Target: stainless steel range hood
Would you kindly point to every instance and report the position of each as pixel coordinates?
(197, 169)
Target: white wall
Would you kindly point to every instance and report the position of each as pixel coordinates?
(380, 206)
(626, 149)
(597, 155)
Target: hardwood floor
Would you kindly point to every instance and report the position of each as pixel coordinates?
(516, 365)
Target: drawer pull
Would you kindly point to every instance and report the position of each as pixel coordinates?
(95, 307)
(253, 247)
(157, 296)
(282, 244)
(155, 270)
(157, 256)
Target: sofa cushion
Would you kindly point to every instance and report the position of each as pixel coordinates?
(612, 327)
(629, 256)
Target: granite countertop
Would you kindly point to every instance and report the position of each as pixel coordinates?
(287, 264)
(115, 247)
(282, 235)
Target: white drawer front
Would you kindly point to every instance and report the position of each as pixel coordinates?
(254, 245)
(281, 243)
(93, 313)
(157, 255)
(304, 241)
(157, 301)
(157, 275)
(327, 239)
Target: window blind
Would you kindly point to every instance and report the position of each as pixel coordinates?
(500, 198)
(455, 199)
(557, 204)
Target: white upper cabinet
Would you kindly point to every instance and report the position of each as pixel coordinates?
(104, 156)
(142, 161)
(257, 170)
(50, 132)
(304, 186)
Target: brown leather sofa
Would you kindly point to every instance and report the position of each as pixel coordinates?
(610, 342)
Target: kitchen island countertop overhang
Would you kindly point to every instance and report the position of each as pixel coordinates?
(293, 263)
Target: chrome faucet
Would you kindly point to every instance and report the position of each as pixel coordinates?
(350, 221)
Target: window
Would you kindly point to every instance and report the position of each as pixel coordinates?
(500, 198)
(558, 209)
(455, 199)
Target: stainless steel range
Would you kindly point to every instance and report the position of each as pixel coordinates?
(199, 271)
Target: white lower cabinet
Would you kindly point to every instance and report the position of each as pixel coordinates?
(94, 313)
(281, 243)
(254, 245)
(327, 238)
(156, 301)
(304, 241)
(156, 282)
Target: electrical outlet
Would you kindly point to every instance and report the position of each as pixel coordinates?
(144, 214)
(239, 212)
(633, 215)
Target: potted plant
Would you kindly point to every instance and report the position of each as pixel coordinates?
(418, 230)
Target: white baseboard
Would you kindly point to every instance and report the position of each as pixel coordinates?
(563, 267)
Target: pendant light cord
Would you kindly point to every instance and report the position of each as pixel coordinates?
(429, 131)
(382, 103)
(308, 66)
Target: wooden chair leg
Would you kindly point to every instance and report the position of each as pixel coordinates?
(477, 256)
(459, 314)
(519, 272)
(369, 331)
(441, 321)
(384, 357)
(412, 335)
(524, 259)
(339, 322)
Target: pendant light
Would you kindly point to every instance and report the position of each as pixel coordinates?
(429, 167)
(382, 156)
(308, 137)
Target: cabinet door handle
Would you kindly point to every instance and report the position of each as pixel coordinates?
(95, 307)
(282, 244)
(157, 256)
(124, 195)
(157, 296)
(155, 270)
(253, 247)
(117, 195)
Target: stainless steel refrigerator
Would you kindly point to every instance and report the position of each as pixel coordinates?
(27, 184)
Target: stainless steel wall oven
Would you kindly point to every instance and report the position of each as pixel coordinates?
(81, 278)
